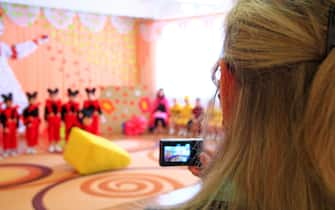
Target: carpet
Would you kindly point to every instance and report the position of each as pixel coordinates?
(46, 181)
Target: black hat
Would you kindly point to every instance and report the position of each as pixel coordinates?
(90, 90)
(72, 93)
(32, 95)
(8, 97)
(52, 91)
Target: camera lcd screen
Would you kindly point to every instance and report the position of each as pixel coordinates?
(178, 152)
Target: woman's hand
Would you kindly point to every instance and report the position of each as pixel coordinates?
(206, 156)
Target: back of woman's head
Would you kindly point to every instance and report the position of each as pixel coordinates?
(279, 145)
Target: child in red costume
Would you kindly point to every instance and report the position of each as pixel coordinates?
(194, 124)
(70, 112)
(92, 106)
(32, 122)
(52, 115)
(86, 120)
(10, 121)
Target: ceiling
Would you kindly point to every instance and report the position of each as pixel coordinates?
(150, 9)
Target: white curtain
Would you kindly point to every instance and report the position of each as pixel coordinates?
(185, 53)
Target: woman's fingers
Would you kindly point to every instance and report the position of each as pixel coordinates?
(209, 149)
(204, 160)
(205, 157)
(195, 170)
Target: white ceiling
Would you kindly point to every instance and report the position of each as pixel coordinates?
(152, 9)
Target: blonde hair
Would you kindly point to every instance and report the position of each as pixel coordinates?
(278, 151)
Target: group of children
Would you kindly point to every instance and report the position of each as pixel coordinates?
(55, 113)
(195, 120)
(186, 120)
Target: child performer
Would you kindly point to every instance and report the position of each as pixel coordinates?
(32, 122)
(195, 122)
(52, 115)
(86, 120)
(10, 122)
(175, 114)
(92, 105)
(70, 112)
(185, 117)
(160, 112)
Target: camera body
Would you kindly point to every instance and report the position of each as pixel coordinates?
(180, 151)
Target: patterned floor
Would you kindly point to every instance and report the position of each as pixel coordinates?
(46, 181)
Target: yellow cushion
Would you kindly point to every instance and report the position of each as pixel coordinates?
(89, 153)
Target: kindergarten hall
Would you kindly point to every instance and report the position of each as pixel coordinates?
(89, 89)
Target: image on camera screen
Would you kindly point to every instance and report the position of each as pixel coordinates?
(177, 153)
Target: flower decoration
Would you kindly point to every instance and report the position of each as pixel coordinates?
(107, 106)
(144, 104)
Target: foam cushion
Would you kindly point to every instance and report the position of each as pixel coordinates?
(89, 153)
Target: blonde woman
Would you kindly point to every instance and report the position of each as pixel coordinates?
(278, 100)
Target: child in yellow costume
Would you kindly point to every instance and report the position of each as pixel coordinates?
(185, 116)
(175, 111)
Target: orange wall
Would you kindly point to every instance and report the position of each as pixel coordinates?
(74, 58)
(78, 58)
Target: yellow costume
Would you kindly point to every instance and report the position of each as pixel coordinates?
(175, 111)
(185, 115)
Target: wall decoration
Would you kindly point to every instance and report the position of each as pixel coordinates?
(20, 14)
(144, 104)
(24, 16)
(8, 80)
(60, 19)
(126, 106)
(94, 23)
(123, 24)
(107, 106)
(74, 57)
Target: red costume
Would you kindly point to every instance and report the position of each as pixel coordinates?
(70, 112)
(87, 122)
(52, 115)
(93, 106)
(32, 122)
(10, 121)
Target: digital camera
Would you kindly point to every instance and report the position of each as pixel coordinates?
(180, 152)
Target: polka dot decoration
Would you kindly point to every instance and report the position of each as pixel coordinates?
(126, 103)
(83, 50)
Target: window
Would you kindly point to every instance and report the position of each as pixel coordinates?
(185, 54)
